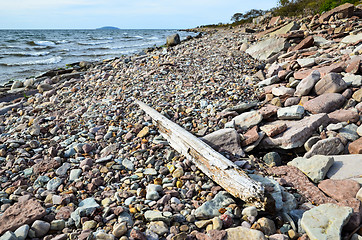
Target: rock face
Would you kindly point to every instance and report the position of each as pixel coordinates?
(315, 167)
(297, 132)
(173, 40)
(329, 146)
(330, 83)
(325, 103)
(325, 221)
(225, 140)
(20, 214)
(267, 48)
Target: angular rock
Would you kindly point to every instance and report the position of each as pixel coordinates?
(45, 165)
(340, 189)
(291, 113)
(325, 103)
(211, 208)
(250, 136)
(345, 10)
(306, 62)
(307, 84)
(20, 214)
(305, 43)
(297, 133)
(242, 233)
(346, 167)
(272, 130)
(355, 147)
(357, 95)
(269, 81)
(8, 236)
(265, 225)
(329, 146)
(296, 178)
(352, 80)
(315, 167)
(226, 139)
(267, 48)
(286, 29)
(40, 228)
(283, 91)
(248, 119)
(22, 232)
(268, 111)
(325, 221)
(354, 66)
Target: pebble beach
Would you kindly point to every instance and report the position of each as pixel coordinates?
(281, 98)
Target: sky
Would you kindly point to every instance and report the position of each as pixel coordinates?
(125, 14)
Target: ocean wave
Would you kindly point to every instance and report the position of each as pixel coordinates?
(27, 54)
(62, 41)
(94, 43)
(48, 61)
(41, 43)
(140, 37)
(153, 38)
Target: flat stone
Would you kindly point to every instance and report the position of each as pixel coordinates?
(158, 227)
(211, 208)
(268, 111)
(305, 43)
(269, 81)
(296, 178)
(272, 130)
(344, 115)
(346, 167)
(352, 38)
(250, 136)
(355, 147)
(242, 233)
(291, 113)
(286, 29)
(248, 119)
(45, 165)
(20, 214)
(325, 221)
(242, 107)
(283, 91)
(307, 84)
(349, 132)
(155, 216)
(144, 132)
(74, 174)
(325, 103)
(54, 183)
(297, 133)
(226, 139)
(267, 48)
(352, 80)
(340, 189)
(291, 101)
(329, 146)
(315, 167)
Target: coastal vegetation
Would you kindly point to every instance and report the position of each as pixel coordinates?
(289, 8)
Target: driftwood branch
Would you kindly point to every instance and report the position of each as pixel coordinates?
(213, 164)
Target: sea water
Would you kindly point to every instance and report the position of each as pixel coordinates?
(28, 53)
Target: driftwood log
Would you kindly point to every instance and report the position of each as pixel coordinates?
(213, 164)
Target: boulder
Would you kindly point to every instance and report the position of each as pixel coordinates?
(297, 133)
(268, 48)
(325, 103)
(329, 146)
(315, 167)
(226, 139)
(345, 11)
(19, 214)
(173, 40)
(307, 84)
(325, 221)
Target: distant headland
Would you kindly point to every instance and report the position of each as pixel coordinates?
(108, 28)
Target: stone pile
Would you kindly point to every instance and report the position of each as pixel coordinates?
(79, 160)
